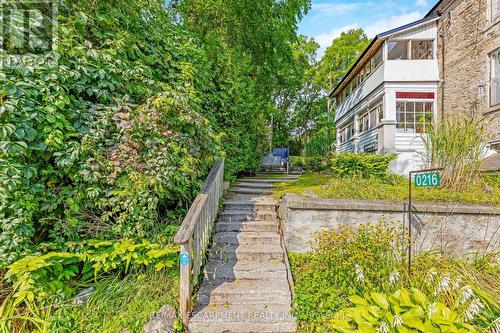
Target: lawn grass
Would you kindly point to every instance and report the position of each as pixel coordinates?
(119, 303)
(395, 188)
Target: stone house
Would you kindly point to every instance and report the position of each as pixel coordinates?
(447, 63)
(469, 60)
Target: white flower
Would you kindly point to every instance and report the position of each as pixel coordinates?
(473, 310)
(495, 326)
(432, 310)
(359, 273)
(443, 285)
(383, 328)
(398, 321)
(455, 284)
(431, 276)
(467, 293)
(393, 278)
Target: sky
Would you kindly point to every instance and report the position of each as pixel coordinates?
(328, 18)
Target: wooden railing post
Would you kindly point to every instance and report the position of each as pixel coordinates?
(185, 281)
(194, 234)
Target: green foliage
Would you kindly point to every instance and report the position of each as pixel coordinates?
(340, 56)
(36, 278)
(457, 145)
(394, 188)
(361, 165)
(119, 303)
(115, 304)
(403, 311)
(116, 140)
(309, 164)
(365, 268)
(344, 262)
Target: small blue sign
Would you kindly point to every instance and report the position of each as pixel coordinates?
(184, 258)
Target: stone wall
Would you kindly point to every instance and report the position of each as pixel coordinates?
(469, 36)
(461, 229)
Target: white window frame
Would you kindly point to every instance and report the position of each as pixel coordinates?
(494, 76)
(409, 43)
(414, 100)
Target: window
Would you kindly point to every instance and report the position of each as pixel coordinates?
(413, 117)
(373, 118)
(414, 49)
(495, 78)
(495, 9)
(378, 58)
(422, 49)
(347, 132)
(398, 50)
(363, 123)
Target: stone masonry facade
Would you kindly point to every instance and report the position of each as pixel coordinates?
(468, 36)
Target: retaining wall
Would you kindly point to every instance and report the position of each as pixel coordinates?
(460, 229)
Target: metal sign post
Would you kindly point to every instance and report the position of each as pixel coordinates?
(423, 178)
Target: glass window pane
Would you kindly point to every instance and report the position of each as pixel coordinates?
(429, 107)
(377, 59)
(410, 107)
(410, 117)
(400, 106)
(373, 118)
(398, 50)
(419, 107)
(400, 117)
(428, 119)
(422, 49)
(495, 78)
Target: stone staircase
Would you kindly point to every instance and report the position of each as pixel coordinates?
(246, 287)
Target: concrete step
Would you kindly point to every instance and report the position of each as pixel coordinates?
(253, 191)
(246, 252)
(241, 215)
(260, 185)
(268, 180)
(250, 205)
(223, 270)
(244, 292)
(251, 318)
(257, 226)
(247, 238)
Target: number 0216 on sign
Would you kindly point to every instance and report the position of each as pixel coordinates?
(432, 179)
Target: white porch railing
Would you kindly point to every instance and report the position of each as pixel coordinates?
(194, 234)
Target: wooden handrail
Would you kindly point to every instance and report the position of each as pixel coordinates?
(194, 234)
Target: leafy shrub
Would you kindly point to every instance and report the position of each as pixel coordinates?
(344, 262)
(361, 165)
(403, 311)
(53, 275)
(456, 144)
(68, 133)
(347, 262)
(309, 164)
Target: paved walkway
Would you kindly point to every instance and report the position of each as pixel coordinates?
(246, 287)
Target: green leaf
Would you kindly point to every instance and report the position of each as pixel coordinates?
(380, 300)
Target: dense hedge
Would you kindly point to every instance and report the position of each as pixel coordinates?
(361, 165)
(309, 164)
(117, 139)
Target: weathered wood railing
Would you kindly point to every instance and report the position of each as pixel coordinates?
(194, 234)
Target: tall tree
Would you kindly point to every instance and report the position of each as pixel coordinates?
(339, 57)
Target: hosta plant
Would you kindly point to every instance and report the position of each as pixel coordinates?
(404, 311)
(56, 274)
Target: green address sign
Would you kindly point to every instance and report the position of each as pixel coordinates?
(428, 179)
